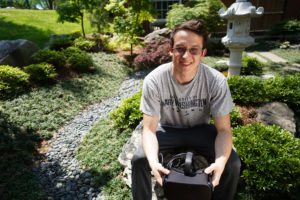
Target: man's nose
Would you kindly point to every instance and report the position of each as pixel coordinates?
(186, 54)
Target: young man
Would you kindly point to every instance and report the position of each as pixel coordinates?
(177, 100)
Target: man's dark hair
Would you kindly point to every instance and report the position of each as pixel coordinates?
(194, 25)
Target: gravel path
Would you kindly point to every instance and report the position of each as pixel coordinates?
(60, 174)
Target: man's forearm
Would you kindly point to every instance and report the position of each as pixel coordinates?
(150, 146)
(223, 146)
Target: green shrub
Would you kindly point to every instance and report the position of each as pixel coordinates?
(251, 66)
(286, 27)
(285, 89)
(68, 52)
(12, 80)
(271, 161)
(128, 114)
(41, 72)
(205, 10)
(81, 62)
(84, 44)
(55, 58)
(247, 90)
(60, 43)
(235, 118)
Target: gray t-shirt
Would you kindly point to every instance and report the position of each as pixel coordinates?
(185, 105)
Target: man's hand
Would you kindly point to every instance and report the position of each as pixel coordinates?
(217, 170)
(158, 170)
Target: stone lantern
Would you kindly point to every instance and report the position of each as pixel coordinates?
(238, 28)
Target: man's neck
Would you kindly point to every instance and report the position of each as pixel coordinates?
(183, 77)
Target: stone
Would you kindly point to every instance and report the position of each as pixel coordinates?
(158, 35)
(277, 113)
(16, 53)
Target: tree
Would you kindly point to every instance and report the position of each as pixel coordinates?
(73, 11)
(130, 15)
(99, 17)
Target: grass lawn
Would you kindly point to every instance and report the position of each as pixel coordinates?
(38, 113)
(35, 25)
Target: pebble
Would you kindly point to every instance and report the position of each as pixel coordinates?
(59, 173)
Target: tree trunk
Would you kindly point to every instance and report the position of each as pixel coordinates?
(82, 26)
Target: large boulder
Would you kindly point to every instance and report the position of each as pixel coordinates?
(158, 35)
(16, 52)
(279, 114)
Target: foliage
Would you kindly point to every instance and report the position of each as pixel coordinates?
(17, 144)
(60, 43)
(81, 62)
(84, 44)
(73, 11)
(286, 27)
(247, 90)
(40, 112)
(251, 66)
(153, 55)
(235, 117)
(128, 114)
(99, 151)
(99, 17)
(284, 89)
(271, 160)
(34, 25)
(205, 10)
(55, 58)
(129, 18)
(42, 72)
(68, 52)
(12, 81)
(3, 3)
(285, 45)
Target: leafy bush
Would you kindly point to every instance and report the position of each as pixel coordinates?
(286, 27)
(247, 90)
(271, 161)
(235, 118)
(284, 89)
(60, 43)
(55, 58)
(205, 10)
(68, 52)
(251, 66)
(153, 55)
(41, 72)
(81, 62)
(84, 44)
(12, 80)
(128, 114)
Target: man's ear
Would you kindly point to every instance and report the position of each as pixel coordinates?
(170, 50)
(204, 52)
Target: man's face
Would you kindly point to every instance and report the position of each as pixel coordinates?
(187, 61)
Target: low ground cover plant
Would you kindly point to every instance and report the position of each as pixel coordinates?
(154, 54)
(40, 112)
(84, 44)
(12, 81)
(42, 72)
(271, 161)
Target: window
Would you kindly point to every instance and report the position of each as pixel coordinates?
(163, 6)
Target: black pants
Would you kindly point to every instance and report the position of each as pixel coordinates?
(202, 140)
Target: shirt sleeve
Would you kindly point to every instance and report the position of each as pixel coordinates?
(150, 101)
(221, 102)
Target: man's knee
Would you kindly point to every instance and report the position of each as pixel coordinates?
(139, 160)
(234, 164)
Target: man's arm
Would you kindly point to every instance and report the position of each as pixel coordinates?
(150, 146)
(223, 147)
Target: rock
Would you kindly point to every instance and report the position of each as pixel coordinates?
(16, 52)
(279, 114)
(158, 35)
